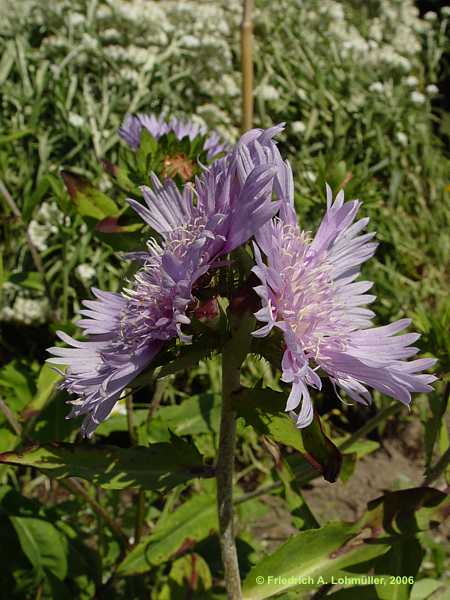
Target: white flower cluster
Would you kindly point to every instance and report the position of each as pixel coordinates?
(29, 311)
(46, 222)
(187, 27)
(141, 37)
(392, 37)
(85, 272)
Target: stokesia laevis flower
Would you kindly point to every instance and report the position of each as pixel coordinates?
(309, 291)
(131, 130)
(227, 204)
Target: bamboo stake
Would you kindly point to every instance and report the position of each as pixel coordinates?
(247, 65)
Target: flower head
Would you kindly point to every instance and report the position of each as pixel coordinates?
(226, 205)
(309, 290)
(131, 130)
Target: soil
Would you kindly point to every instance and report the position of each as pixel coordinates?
(397, 464)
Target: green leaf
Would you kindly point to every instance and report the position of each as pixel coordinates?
(43, 545)
(435, 426)
(188, 575)
(321, 450)
(423, 588)
(352, 453)
(17, 135)
(337, 549)
(51, 425)
(360, 447)
(402, 561)
(18, 380)
(90, 201)
(8, 440)
(188, 356)
(158, 467)
(263, 409)
(28, 279)
(366, 592)
(191, 522)
(199, 414)
(147, 148)
(118, 422)
(406, 512)
(314, 553)
(46, 385)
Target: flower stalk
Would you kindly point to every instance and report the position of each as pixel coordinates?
(224, 474)
(233, 355)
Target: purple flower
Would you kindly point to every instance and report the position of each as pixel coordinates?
(309, 290)
(222, 210)
(131, 129)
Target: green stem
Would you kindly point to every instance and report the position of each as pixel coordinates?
(160, 388)
(224, 474)
(140, 516)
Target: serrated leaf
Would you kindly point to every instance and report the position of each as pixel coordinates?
(191, 522)
(158, 467)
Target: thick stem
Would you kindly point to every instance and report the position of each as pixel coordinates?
(140, 517)
(247, 65)
(224, 474)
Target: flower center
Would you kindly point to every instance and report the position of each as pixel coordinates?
(308, 300)
(179, 240)
(180, 165)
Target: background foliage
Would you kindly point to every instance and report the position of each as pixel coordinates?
(358, 87)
